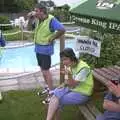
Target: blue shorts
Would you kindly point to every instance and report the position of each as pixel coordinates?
(100, 117)
(104, 117)
(68, 97)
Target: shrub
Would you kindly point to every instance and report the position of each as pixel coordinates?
(110, 49)
(5, 20)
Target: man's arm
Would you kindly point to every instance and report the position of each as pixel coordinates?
(58, 28)
(57, 34)
(111, 106)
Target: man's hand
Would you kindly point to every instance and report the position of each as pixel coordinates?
(31, 14)
(115, 89)
(72, 83)
(64, 71)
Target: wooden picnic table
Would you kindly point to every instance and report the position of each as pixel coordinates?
(102, 75)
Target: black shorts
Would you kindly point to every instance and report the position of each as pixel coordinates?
(44, 61)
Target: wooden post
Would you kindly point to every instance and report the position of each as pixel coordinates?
(62, 46)
(21, 27)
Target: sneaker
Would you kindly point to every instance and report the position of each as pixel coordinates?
(46, 101)
(1, 97)
(45, 91)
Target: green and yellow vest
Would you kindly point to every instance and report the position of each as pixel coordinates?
(42, 32)
(86, 86)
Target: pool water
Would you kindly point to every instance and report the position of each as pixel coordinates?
(24, 57)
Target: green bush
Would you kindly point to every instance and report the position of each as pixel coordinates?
(110, 49)
(5, 20)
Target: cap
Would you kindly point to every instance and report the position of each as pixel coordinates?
(41, 5)
(67, 52)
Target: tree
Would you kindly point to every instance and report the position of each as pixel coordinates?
(13, 6)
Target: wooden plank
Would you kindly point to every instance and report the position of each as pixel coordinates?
(62, 46)
(87, 114)
(100, 78)
(102, 73)
(115, 70)
(109, 72)
(93, 109)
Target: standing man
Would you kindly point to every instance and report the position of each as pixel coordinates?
(48, 29)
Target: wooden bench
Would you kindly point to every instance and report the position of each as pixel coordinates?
(89, 111)
(101, 76)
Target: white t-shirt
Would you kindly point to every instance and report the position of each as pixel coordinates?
(82, 75)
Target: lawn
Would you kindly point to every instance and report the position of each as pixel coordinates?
(26, 105)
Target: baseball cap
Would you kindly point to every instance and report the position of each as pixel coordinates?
(67, 52)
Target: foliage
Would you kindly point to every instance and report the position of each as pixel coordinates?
(25, 4)
(12, 6)
(110, 49)
(62, 13)
(4, 20)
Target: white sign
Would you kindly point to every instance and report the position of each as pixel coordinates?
(107, 4)
(84, 44)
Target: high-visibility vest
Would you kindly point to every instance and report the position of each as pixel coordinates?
(42, 32)
(85, 87)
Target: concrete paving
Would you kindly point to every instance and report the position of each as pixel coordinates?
(26, 80)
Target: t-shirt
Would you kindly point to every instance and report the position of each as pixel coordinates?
(82, 75)
(110, 115)
(56, 25)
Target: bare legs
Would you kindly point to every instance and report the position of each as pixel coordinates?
(48, 78)
(57, 114)
(53, 108)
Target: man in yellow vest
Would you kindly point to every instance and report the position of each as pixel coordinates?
(77, 90)
(48, 28)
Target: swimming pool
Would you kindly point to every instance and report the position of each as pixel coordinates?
(24, 57)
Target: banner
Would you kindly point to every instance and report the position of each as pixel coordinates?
(97, 24)
(84, 44)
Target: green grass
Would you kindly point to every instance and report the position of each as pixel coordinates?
(21, 105)
(26, 105)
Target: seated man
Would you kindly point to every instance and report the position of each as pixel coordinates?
(77, 90)
(111, 103)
